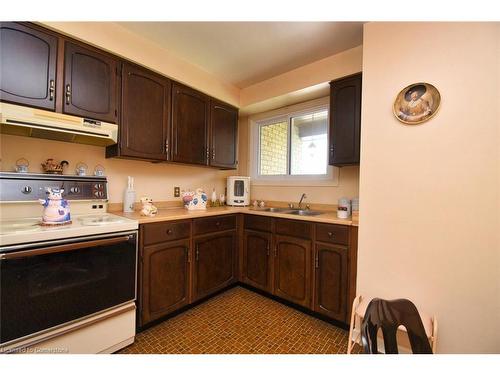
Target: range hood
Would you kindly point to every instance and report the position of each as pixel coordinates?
(31, 122)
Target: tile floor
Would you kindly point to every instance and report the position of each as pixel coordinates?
(241, 322)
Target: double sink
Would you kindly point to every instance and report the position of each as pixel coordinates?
(290, 211)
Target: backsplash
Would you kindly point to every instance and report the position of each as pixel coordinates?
(156, 180)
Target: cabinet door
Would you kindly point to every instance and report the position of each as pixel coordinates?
(256, 259)
(214, 263)
(292, 270)
(165, 279)
(345, 121)
(145, 114)
(28, 59)
(223, 135)
(89, 83)
(190, 115)
(331, 281)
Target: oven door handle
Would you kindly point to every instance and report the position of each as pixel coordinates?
(64, 248)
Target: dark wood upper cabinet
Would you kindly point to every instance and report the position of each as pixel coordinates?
(345, 121)
(190, 116)
(90, 83)
(330, 285)
(214, 263)
(292, 269)
(145, 112)
(223, 135)
(165, 279)
(28, 60)
(257, 259)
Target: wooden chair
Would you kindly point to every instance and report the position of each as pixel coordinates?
(390, 316)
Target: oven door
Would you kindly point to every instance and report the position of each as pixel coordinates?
(45, 286)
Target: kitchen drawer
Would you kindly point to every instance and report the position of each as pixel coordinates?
(338, 234)
(260, 223)
(165, 231)
(294, 228)
(214, 224)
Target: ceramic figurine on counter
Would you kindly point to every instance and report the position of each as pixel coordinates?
(55, 208)
(195, 200)
(148, 209)
(222, 199)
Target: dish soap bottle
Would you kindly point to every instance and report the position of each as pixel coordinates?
(129, 196)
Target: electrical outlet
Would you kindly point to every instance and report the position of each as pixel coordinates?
(177, 191)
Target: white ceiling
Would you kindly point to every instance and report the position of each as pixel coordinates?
(244, 53)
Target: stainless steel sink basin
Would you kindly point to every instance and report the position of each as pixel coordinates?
(304, 212)
(274, 209)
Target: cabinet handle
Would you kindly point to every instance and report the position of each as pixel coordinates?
(169, 231)
(166, 146)
(197, 253)
(213, 153)
(52, 89)
(330, 234)
(217, 224)
(267, 248)
(275, 251)
(68, 94)
(208, 153)
(316, 259)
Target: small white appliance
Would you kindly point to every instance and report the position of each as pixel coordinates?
(238, 191)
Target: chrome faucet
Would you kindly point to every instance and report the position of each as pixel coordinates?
(304, 196)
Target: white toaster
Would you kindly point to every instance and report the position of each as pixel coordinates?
(238, 191)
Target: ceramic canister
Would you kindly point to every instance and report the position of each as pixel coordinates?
(344, 208)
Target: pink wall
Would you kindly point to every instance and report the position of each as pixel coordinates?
(429, 194)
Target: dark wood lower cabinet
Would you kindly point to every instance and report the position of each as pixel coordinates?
(186, 260)
(331, 281)
(214, 263)
(292, 270)
(165, 279)
(257, 259)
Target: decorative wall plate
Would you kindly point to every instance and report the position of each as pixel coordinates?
(416, 103)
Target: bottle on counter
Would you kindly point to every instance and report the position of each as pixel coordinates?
(214, 198)
(129, 196)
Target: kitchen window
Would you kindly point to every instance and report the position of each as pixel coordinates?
(292, 147)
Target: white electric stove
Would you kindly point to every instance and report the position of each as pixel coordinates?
(68, 288)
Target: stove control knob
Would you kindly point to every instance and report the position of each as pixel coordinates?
(74, 190)
(26, 189)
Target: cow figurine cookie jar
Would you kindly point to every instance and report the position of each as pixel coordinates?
(55, 208)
